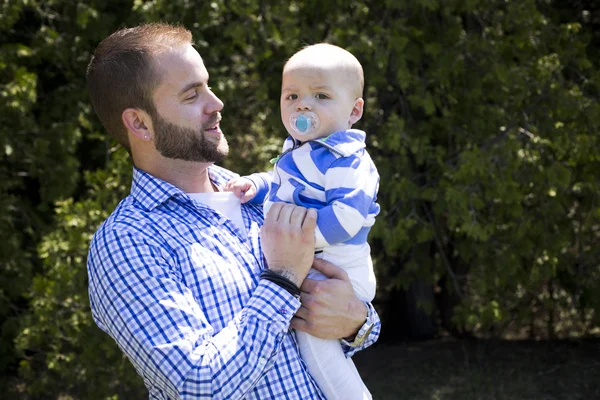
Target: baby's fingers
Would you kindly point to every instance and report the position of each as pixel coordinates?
(238, 191)
(248, 194)
(229, 186)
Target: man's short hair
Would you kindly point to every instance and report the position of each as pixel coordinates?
(121, 73)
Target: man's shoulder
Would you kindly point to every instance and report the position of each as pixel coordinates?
(127, 218)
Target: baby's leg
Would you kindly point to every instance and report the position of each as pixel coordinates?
(356, 261)
(335, 374)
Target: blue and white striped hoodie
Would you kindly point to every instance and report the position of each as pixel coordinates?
(334, 175)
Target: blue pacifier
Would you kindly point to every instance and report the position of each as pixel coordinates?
(304, 123)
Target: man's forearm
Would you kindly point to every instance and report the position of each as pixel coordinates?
(190, 358)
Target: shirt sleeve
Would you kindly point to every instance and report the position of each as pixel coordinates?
(351, 185)
(137, 297)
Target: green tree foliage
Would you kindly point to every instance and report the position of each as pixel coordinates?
(46, 141)
(482, 116)
(491, 118)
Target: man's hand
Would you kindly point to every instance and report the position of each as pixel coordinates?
(243, 188)
(288, 240)
(330, 309)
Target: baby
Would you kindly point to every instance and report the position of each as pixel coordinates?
(324, 165)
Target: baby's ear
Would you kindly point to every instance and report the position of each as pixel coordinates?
(357, 111)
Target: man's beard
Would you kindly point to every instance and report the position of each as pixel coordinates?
(176, 142)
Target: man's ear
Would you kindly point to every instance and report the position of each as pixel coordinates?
(357, 111)
(137, 121)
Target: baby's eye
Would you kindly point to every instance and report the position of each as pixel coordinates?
(321, 96)
(292, 97)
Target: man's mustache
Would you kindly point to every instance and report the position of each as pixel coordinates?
(214, 118)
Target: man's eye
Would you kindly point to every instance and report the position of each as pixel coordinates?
(292, 97)
(192, 96)
(321, 96)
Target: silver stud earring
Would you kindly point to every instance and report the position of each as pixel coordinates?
(146, 137)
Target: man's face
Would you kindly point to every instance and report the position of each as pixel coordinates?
(320, 91)
(178, 142)
(186, 122)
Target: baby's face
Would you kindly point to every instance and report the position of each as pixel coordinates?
(322, 92)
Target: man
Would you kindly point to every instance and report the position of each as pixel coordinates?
(176, 277)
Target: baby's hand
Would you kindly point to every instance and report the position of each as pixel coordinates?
(242, 188)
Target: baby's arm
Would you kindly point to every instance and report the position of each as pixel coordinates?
(242, 187)
(253, 188)
(351, 185)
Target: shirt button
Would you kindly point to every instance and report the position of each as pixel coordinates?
(262, 361)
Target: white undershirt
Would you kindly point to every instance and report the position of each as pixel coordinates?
(224, 202)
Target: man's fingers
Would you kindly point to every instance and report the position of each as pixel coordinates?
(310, 221)
(302, 313)
(296, 322)
(308, 286)
(294, 215)
(273, 214)
(299, 324)
(297, 217)
(330, 270)
(285, 215)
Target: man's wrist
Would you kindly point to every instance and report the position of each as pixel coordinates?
(282, 280)
(287, 274)
(362, 315)
(363, 331)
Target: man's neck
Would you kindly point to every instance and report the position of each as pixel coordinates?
(191, 177)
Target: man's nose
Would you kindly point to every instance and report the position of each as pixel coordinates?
(213, 103)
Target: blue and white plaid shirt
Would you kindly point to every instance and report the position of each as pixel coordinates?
(176, 284)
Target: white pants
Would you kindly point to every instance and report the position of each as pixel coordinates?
(335, 374)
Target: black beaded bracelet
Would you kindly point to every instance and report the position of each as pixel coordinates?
(281, 281)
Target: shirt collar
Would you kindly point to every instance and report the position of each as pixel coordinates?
(344, 142)
(151, 191)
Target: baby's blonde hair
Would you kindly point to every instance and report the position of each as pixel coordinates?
(325, 55)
